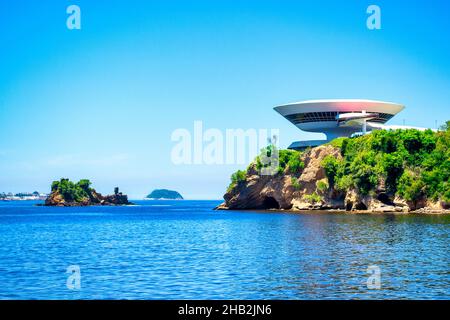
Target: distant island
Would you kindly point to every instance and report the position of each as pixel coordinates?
(66, 193)
(22, 196)
(384, 171)
(164, 194)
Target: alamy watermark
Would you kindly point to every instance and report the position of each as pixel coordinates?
(374, 279)
(373, 22)
(224, 147)
(73, 21)
(74, 279)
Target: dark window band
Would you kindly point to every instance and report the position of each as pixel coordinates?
(329, 116)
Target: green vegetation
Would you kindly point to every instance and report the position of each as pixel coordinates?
(331, 166)
(413, 164)
(410, 186)
(322, 185)
(73, 191)
(337, 143)
(295, 183)
(312, 198)
(236, 178)
(295, 164)
(286, 160)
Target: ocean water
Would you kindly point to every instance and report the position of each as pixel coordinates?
(185, 250)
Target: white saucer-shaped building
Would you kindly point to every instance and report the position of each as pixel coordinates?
(337, 118)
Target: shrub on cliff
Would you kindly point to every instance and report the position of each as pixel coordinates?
(322, 185)
(236, 178)
(295, 184)
(295, 164)
(337, 143)
(410, 187)
(286, 159)
(331, 166)
(312, 198)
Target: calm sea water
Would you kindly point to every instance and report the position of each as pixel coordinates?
(184, 250)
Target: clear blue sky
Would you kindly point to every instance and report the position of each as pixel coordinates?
(102, 102)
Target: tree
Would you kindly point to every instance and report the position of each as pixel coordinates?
(72, 191)
(84, 184)
(331, 166)
(410, 187)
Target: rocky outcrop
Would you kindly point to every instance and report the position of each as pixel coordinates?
(262, 192)
(378, 202)
(304, 190)
(56, 199)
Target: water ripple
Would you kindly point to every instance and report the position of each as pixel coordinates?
(184, 250)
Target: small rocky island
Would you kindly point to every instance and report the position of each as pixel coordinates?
(66, 193)
(385, 171)
(164, 194)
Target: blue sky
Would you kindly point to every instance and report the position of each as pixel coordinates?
(102, 102)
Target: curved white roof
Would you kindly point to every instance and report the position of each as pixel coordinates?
(339, 105)
(327, 116)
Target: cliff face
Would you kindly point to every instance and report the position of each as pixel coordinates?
(280, 191)
(309, 189)
(286, 190)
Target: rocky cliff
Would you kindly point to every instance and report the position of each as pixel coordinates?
(286, 190)
(313, 186)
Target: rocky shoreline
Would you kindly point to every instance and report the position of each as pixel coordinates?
(428, 211)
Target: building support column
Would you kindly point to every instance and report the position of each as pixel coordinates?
(364, 127)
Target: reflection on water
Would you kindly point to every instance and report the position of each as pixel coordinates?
(184, 250)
